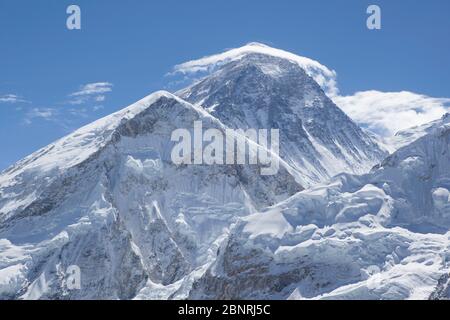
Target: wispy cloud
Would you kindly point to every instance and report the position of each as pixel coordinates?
(99, 107)
(93, 89)
(94, 93)
(386, 113)
(91, 92)
(12, 98)
(48, 114)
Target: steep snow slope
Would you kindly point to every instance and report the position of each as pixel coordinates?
(383, 235)
(256, 89)
(405, 137)
(108, 199)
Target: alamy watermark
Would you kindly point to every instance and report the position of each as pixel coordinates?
(215, 147)
(71, 278)
(374, 20)
(73, 21)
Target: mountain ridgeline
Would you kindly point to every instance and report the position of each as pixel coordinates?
(109, 199)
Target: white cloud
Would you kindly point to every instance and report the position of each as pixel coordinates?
(91, 91)
(78, 100)
(99, 107)
(386, 113)
(12, 98)
(40, 113)
(79, 112)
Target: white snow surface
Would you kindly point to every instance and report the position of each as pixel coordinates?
(384, 235)
(325, 77)
(405, 137)
(108, 199)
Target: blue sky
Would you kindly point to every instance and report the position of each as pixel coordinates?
(129, 46)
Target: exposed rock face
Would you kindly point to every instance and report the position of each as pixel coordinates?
(442, 291)
(261, 91)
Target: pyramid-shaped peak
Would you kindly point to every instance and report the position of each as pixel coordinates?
(324, 76)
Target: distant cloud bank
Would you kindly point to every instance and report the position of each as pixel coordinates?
(386, 113)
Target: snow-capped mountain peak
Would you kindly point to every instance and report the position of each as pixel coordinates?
(261, 90)
(325, 77)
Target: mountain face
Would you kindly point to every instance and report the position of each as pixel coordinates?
(109, 199)
(383, 235)
(262, 91)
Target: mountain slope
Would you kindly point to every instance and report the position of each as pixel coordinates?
(256, 90)
(383, 235)
(108, 199)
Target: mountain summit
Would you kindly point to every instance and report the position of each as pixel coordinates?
(256, 88)
(325, 77)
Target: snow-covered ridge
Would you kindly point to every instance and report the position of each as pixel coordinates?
(405, 137)
(325, 242)
(325, 77)
(45, 165)
(82, 143)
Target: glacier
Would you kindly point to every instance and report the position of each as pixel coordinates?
(322, 242)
